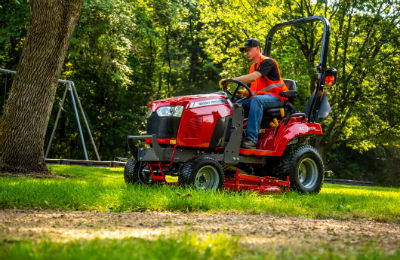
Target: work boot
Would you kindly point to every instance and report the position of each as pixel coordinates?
(248, 144)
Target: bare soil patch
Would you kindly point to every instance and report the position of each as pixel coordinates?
(254, 230)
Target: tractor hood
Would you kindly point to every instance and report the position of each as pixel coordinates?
(192, 121)
(190, 101)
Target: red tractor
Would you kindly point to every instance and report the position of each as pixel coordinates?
(198, 138)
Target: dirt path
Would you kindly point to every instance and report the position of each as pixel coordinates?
(254, 230)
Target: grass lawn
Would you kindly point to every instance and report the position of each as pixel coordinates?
(103, 189)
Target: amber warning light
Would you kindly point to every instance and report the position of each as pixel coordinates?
(329, 80)
(330, 76)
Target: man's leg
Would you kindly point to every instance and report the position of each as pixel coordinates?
(246, 106)
(257, 106)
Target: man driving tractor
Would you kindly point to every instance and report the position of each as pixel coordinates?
(266, 84)
(197, 137)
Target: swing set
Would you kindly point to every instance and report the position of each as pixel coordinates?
(69, 85)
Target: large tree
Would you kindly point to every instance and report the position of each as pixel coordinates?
(27, 111)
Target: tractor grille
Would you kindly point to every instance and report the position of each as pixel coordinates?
(163, 127)
(193, 128)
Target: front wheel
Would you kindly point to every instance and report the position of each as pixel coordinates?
(204, 173)
(305, 168)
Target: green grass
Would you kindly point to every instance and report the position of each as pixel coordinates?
(103, 189)
(185, 246)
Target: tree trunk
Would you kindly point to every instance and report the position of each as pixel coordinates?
(28, 108)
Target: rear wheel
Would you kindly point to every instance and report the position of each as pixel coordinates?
(305, 168)
(135, 172)
(204, 173)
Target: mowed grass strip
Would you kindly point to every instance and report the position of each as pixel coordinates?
(185, 246)
(103, 189)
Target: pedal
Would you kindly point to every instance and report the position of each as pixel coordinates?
(274, 123)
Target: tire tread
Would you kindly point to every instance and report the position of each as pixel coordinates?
(287, 167)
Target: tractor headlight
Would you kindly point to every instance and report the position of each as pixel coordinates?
(149, 112)
(175, 111)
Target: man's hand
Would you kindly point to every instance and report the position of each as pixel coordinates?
(223, 83)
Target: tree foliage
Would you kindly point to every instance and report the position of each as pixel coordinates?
(364, 49)
(125, 54)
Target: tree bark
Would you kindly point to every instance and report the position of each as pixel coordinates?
(28, 108)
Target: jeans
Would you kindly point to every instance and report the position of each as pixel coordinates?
(256, 106)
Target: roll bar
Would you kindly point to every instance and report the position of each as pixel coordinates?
(321, 68)
(310, 19)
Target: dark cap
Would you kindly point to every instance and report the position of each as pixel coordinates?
(250, 43)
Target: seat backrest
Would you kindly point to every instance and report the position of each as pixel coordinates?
(289, 106)
(290, 84)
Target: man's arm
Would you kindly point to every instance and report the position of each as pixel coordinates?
(248, 78)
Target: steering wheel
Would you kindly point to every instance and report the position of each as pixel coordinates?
(233, 97)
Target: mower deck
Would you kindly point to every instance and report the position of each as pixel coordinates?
(240, 182)
(254, 183)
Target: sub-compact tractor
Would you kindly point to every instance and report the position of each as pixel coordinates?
(198, 138)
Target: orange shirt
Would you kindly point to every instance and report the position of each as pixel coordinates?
(264, 85)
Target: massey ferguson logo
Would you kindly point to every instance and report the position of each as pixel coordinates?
(307, 128)
(207, 103)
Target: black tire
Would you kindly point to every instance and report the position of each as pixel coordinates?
(133, 173)
(305, 168)
(204, 173)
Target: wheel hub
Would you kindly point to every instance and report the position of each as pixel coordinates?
(207, 178)
(307, 173)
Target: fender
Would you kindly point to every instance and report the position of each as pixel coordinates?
(272, 141)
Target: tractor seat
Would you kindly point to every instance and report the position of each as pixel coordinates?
(274, 112)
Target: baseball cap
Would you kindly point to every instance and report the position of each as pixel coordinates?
(250, 43)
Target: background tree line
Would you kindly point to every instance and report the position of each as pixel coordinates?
(123, 54)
